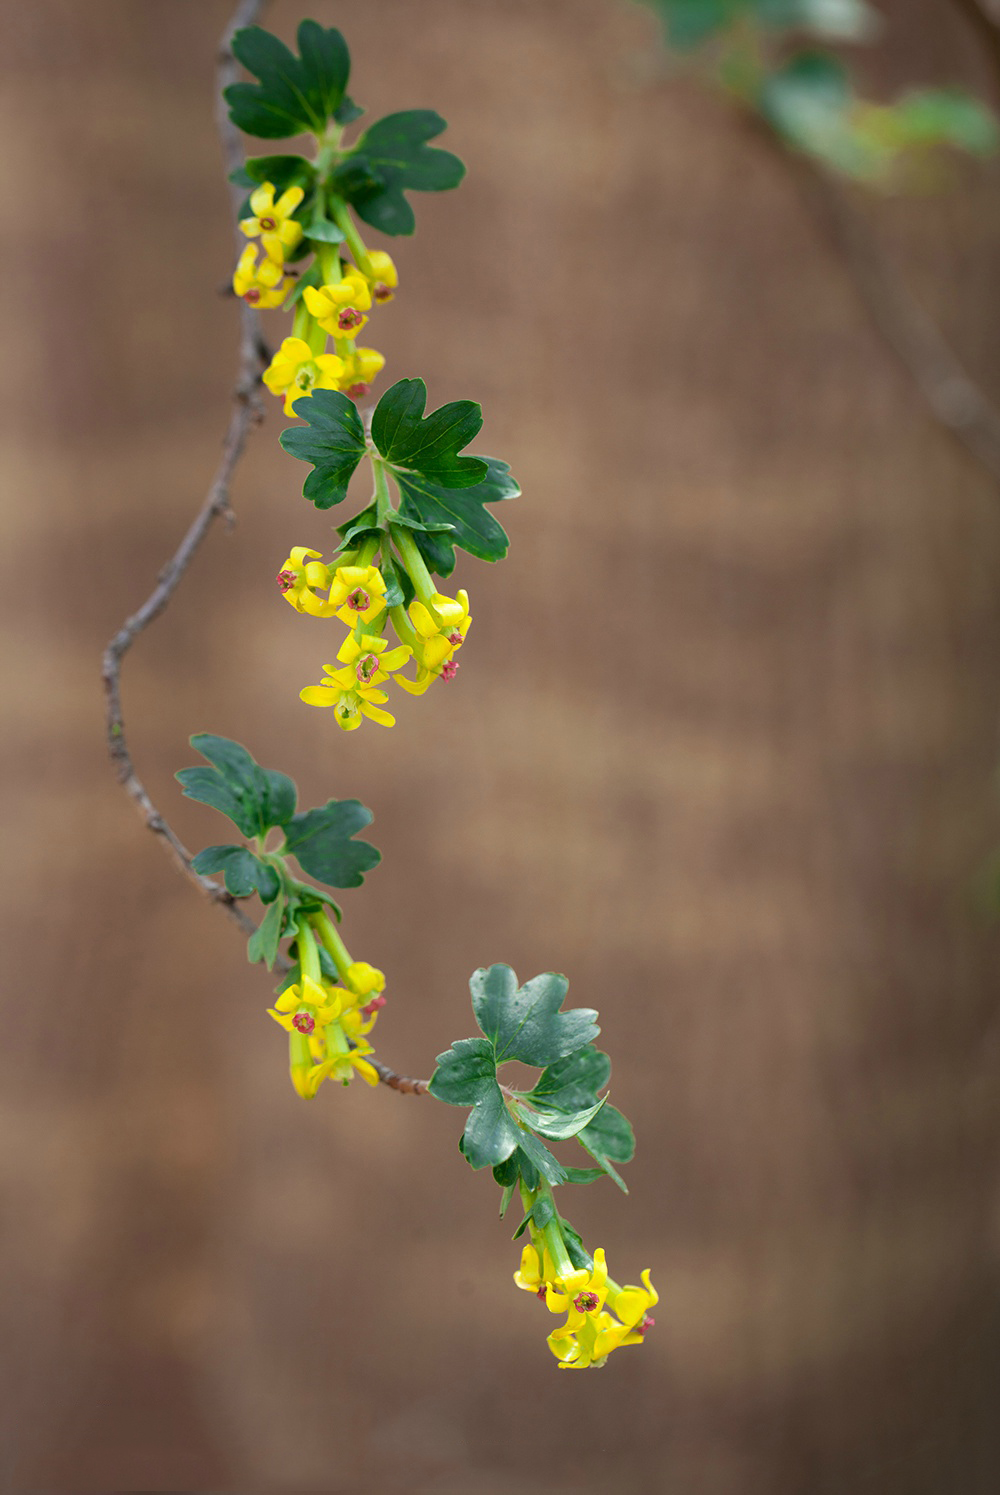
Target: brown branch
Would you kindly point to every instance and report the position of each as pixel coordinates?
(245, 415)
(953, 397)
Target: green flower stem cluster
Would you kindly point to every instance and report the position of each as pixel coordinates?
(428, 500)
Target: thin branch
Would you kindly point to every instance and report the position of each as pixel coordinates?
(246, 414)
(954, 398)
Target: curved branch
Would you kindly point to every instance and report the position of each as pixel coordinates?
(245, 415)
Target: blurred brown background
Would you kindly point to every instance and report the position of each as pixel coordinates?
(744, 809)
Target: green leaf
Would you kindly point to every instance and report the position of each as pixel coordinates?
(573, 1082)
(584, 1175)
(428, 446)
(525, 1023)
(526, 1221)
(347, 111)
(320, 840)
(946, 116)
(243, 872)
(557, 1125)
(333, 440)
(546, 1163)
(254, 798)
(294, 94)
(578, 1253)
(505, 1173)
(325, 231)
(687, 23)
(609, 1138)
(263, 943)
(542, 1212)
(833, 20)
(508, 1193)
(472, 527)
(809, 103)
(390, 158)
(281, 171)
(464, 1073)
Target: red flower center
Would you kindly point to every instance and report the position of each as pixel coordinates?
(449, 670)
(366, 667)
(373, 1005)
(586, 1302)
(381, 291)
(357, 391)
(349, 317)
(268, 224)
(253, 295)
(455, 638)
(359, 600)
(286, 580)
(303, 1022)
(647, 1323)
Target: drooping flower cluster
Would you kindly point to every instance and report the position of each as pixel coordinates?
(335, 308)
(327, 1027)
(590, 1332)
(431, 631)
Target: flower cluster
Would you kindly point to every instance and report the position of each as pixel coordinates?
(327, 1027)
(335, 308)
(590, 1332)
(431, 631)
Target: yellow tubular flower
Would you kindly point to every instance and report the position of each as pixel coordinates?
(357, 593)
(299, 577)
(295, 371)
(261, 285)
(350, 690)
(342, 1067)
(273, 222)
(442, 633)
(590, 1333)
(383, 279)
(338, 308)
(305, 1007)
(360, 368)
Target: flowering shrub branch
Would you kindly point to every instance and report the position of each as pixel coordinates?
(429, 499)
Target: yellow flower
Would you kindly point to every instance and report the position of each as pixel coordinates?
(360, 368)
(338, 308)
(351, 691)
(299, 577)
(383, 279)
(363, 979)
(537, 1273)
(295, 371)
(357, 593)
(261, 285)
(306, 1006)
(441, 629)
(590, 1333)
(342, 1067)
(273, 221)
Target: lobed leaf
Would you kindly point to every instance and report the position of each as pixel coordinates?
(525, 1023)
(456, 517)
(428, 445)
(255, 799)
(294, 94)
(321, 841)
(333, 440)
(243, 873)
(392, 157)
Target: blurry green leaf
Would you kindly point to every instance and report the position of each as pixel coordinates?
(243, 872)
(263, 943)
(946, 116)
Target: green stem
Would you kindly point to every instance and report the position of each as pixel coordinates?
(332, 943)
(383, 499)
(308, 954)
(305, 326)
(340, 213)
(404, 631)
(329, 263)
(415, 565)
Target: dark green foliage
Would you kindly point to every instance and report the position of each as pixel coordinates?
(294, 94)
(393, 157)
(242, 871)
(254, 798)
(471, 526)
(428, 445)
(333, 440)
(321, 842)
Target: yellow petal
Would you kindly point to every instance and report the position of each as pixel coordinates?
(317, 695)
(377, 715)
